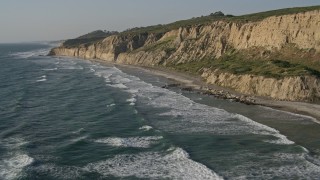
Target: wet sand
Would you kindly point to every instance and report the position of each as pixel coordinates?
(197, 83)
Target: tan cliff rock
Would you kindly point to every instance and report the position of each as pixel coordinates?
(289, 88)
(274, 32)
(213, 40)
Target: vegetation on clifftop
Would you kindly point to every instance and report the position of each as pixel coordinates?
(276, 65)
(290, 61)
(99, 35)
(203, 20)
(89, 38)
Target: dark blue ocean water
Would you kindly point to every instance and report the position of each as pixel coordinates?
(66, 118)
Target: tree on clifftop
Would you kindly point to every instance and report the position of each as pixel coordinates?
(218, 13)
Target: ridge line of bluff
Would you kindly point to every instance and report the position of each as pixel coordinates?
(190, 44)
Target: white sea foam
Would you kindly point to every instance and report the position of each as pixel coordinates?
(92, 69)
(50, 69)
(104, 75)
(146, 128)
(13, 163)
(28, 54)
(71, 67)
(189, 116)
(121, 86)
(282, 140)
(305, 149)
(110, 105)
(42, 78)
(69, 64)
(173, 164)
(78, 131)
(185, 116)
(120, 79)
(138, 142)
(266, 130)
(12, 167)
(132, 101)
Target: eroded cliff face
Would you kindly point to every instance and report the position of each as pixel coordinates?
(305, 88)
(193, 43)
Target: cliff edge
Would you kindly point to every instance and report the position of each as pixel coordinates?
(276, 56)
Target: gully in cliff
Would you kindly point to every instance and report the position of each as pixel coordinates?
(254, 57)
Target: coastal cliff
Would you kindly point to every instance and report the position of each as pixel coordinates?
(288, 88)
(277, 56)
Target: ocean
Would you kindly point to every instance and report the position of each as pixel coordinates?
(68, 118)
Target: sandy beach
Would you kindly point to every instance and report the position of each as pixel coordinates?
(197, 83)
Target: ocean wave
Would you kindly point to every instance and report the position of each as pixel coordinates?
(120, 79)
(146, 128)
(68, 64)
(188, 116)
(266, 130)
(42, 78)
(132, 101)
(180, 114)
(12, 167)
(111, 105)
(92, 69)
(174, 164)
(28, 54)
(50, 69)
(13, 163)
(137, 142)
(120, 86)
(71, 67)
(78, 131)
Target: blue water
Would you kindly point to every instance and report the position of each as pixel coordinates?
(67, 118)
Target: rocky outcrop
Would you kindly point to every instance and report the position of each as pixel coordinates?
(213, 40)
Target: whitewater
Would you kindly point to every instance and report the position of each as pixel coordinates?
(67, 118)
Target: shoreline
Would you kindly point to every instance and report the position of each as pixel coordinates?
(195, 83)
(187, 81)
